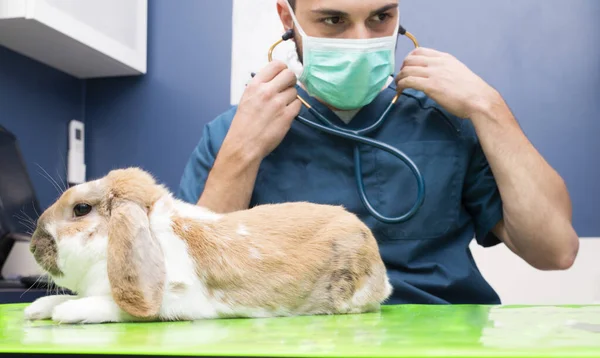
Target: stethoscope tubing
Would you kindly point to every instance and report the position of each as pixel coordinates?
(358, 137)
(358, 168)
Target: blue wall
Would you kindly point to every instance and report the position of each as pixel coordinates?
(37, 103)
(542, 55)
(155, 121)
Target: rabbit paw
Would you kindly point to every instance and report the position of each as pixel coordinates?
(87, 310)
(42, 308)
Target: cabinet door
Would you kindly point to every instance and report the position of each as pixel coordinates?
(86, 38)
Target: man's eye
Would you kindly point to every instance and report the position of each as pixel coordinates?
(335, 20)
(382, 17)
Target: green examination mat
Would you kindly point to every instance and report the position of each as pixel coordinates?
(397, 331)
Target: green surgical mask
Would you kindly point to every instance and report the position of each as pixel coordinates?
(346, 73)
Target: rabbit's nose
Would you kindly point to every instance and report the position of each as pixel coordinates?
(45, 251)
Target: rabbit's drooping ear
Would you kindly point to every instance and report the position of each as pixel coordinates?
(136, 268)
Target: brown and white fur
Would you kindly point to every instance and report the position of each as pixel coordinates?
(140, 255)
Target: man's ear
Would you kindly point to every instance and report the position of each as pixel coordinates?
(284, 15)
(136, 268)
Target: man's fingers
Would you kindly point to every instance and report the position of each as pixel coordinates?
(289, 95)
(414, 71)
(293, 109)
(269, 72)
(423, 51)
(281, 100)
(417, 83)
(417, 60)
(285, 79)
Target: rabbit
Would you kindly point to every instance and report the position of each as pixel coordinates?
(132, 252)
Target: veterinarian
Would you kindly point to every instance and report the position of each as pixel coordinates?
(483, 178)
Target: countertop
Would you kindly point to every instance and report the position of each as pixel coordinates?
(397, 331)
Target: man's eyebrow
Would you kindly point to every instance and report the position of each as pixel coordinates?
(384, 9)
(330, 12)
(335, 13)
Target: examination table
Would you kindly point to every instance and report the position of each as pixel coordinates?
(397, 331)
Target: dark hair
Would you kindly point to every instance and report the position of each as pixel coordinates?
(293, 4)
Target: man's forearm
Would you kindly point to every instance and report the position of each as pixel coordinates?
(230, 182)
(537, 207)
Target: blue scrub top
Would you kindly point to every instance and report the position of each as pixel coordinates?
(428, 257)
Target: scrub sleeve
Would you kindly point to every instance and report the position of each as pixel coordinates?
(481, 198)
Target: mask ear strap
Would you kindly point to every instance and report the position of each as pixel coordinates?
(295, 20)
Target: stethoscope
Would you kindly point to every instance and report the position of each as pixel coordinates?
(358, 136)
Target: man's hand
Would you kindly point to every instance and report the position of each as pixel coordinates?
(446, 80)
(537, 222)
(265, 113)
(263, 118)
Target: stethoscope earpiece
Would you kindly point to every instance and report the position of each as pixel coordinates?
(288, 35)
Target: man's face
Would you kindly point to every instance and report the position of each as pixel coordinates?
(350, 19)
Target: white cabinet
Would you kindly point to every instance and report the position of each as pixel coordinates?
(84, 38)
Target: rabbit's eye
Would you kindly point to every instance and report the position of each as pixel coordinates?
(82, 209)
